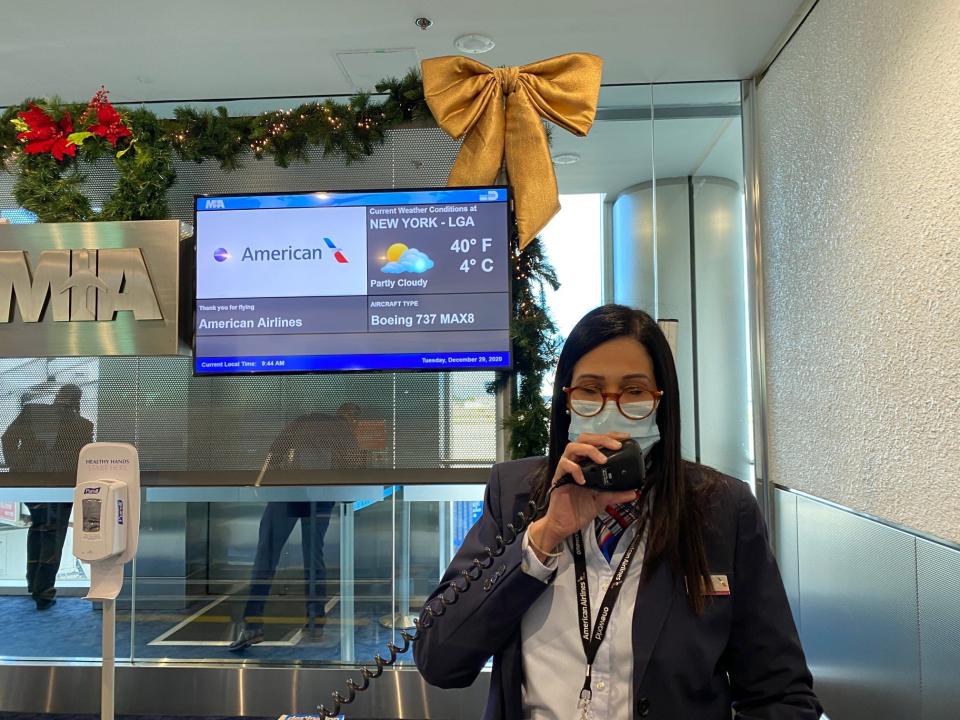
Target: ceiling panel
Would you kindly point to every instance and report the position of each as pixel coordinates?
(182, 49)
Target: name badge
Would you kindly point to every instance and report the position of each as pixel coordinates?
(720, 585)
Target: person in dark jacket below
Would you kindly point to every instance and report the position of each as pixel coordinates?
(47, 438)
(315, 441)
(661, 602)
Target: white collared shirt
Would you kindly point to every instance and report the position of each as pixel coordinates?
(551, 648)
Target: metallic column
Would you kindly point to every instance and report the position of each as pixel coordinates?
(755, 297)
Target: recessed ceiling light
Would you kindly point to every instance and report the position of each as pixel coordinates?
(566, 158)
(474, 44)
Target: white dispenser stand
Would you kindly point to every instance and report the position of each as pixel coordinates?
(106, 528)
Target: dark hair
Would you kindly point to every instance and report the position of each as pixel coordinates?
(675, 532)
(69, 395)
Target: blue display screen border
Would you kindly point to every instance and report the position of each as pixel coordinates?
(347, 198)
(351, 198)
(393, 362)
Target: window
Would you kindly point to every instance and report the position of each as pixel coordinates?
(573, 243)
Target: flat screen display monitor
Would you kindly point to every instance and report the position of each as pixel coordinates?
(345, 281)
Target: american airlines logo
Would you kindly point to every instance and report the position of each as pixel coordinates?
(214, 204)
(77, 285)
(337, 252)
(282, 254)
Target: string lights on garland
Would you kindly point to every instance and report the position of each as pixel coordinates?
(348, 129)
(143, 147)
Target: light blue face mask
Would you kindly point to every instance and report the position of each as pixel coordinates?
(610, 420)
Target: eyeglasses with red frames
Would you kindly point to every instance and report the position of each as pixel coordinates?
(634, 402)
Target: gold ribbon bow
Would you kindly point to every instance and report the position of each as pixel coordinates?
(466, 98)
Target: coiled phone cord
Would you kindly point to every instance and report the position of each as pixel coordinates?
(433, 609)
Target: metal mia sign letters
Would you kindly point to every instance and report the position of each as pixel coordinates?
(90, 289)
(78, 285)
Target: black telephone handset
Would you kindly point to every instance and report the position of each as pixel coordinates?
(625, 469)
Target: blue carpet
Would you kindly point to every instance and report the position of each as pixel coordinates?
(72, 630)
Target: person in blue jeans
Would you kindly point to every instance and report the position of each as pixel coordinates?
(316, 441)
(276, 526)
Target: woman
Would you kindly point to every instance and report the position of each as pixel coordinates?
(661, 602)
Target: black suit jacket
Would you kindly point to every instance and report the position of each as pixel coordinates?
(46, 438)
(742, 652)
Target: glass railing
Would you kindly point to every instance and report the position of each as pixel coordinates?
(317, 575)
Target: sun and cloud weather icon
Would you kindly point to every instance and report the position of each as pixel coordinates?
(403, 259)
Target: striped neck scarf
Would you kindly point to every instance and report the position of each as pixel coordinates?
(611, 524)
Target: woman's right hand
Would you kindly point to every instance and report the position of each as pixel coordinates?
(573, 507)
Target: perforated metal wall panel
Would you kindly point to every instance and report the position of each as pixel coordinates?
(858, 602)
(183, 423)
(938, 585)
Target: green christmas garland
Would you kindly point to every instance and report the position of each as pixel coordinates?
(535, 348)
(143, 156)
(51, 188)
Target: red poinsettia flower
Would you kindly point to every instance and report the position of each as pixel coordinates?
(44, 134)
(109, 124)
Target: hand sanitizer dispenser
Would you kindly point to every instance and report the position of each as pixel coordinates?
(106, 514)
(106, 528)
(100, 519)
